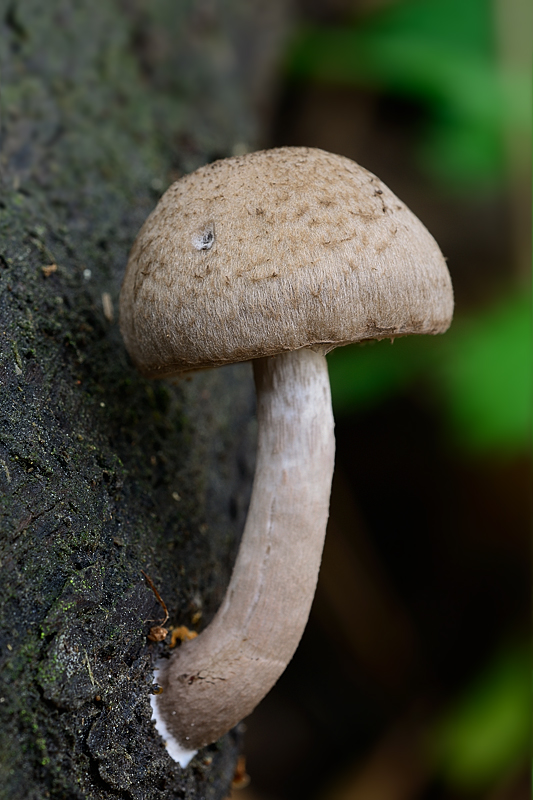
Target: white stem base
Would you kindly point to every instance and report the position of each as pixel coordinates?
(174, 749)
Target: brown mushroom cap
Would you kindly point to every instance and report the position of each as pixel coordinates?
(273, 251)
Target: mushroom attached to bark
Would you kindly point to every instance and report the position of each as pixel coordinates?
(275, 257)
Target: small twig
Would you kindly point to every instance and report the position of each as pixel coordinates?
(158, 632)
(157, 595)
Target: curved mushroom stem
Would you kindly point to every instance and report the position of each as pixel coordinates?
(215, 680)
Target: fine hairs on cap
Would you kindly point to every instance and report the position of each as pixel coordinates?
(273, 251)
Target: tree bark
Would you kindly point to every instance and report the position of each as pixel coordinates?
(103, 474)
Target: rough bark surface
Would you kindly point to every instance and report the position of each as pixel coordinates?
(104, 474)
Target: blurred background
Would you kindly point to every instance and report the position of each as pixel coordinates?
(412, 679)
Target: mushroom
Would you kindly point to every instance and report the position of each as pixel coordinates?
(274, 257)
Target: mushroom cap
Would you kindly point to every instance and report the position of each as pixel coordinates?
(273, 251)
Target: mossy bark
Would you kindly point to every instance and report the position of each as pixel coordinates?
(102, 473)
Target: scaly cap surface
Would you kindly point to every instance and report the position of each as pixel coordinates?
(273, 251)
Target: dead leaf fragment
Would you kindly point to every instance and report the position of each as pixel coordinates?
(241, 779)
(157, 633)
(183, 634)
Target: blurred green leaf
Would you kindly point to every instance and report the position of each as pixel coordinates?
(365, 374)
(486, 733)
(479, 370)
(442, 52)
(485, 377)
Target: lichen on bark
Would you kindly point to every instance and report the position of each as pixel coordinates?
(102, 473)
